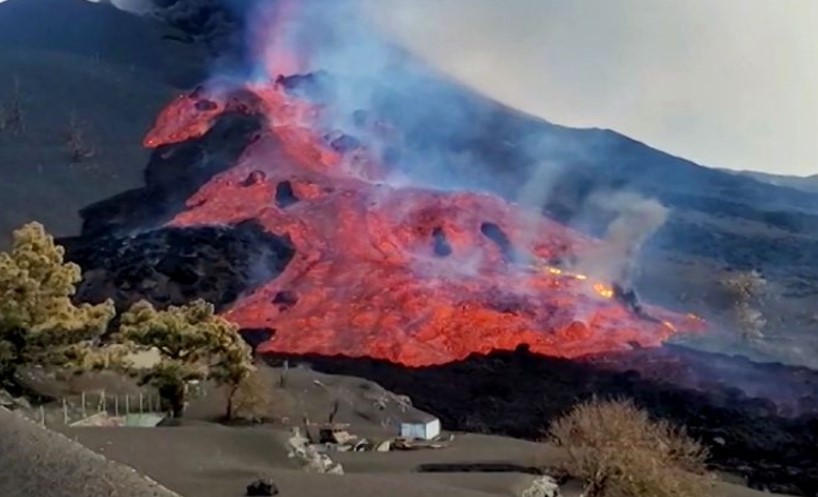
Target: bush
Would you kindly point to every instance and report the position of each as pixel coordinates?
(253, 399)
(620, 452)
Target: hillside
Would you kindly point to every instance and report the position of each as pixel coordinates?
(83, 78)
(805, 183)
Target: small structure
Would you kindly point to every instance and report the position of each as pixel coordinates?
(419, 425)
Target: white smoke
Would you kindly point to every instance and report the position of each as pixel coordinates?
(636, 219)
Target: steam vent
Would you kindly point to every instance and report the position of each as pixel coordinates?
(409, 275)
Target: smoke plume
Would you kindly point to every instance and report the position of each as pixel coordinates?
(426, 129)
(635, 220)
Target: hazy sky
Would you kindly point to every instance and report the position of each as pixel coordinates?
(728, 83)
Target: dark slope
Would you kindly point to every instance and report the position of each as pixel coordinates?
(805, 183)
(99, 32)
(86, 74)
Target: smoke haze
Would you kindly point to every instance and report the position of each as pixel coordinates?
(730, 83)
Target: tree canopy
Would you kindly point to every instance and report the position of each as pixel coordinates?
(39, 324)
(193, 343)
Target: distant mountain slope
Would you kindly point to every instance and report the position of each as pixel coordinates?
(805, 183)
(101, 33)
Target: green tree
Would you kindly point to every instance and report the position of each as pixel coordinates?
(39, 324)
(193, 344)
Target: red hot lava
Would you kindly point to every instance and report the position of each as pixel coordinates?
(409, 275)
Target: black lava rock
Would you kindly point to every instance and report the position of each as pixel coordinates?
(173, 266)
(174, 173)
(262, 488)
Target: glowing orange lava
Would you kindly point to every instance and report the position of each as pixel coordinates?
(403, 274)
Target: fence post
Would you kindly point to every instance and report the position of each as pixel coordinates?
(82, 396)
(64, 411)
(140, 403)
(116, 405)
(127, 404)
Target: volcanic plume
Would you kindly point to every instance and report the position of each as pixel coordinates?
(407, 274)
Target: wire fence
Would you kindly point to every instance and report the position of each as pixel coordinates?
(75, 409)
(101, 407)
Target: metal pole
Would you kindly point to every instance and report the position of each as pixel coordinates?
(116, 405)
(140, 403)
(127, 404)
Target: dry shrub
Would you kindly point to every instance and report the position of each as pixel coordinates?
(77, 143)
(620, 452)
(11, 112)
(257, 399)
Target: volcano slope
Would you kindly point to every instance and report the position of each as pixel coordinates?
(83, 80)
(410, 275)
(409, 284)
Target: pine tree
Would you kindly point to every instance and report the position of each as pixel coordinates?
(193, 343)
(39, 324)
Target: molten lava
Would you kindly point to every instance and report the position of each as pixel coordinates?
(409, 275)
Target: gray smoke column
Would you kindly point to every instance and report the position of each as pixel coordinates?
(636, 219)
(368, 81)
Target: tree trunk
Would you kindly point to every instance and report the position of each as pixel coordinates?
(9, 380)
(173, 395)
(231, 394)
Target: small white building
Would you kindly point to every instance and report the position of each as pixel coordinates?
(419, 425)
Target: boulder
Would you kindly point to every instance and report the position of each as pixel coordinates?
(262, 488)
(542, 486)
(330, 436)
(362, 445)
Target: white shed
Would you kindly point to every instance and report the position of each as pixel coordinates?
(420, 426)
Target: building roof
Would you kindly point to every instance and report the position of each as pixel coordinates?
(417, 417)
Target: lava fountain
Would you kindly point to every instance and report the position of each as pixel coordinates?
(407, 274)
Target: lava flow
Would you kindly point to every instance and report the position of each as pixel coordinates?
(410, 275)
